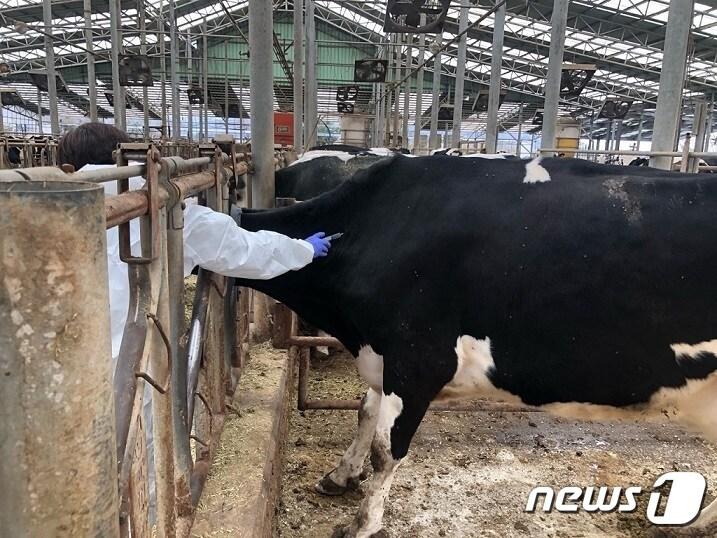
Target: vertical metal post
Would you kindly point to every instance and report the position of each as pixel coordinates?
(262, 92)
(699, 128)
(40, 128)
(460, 79)
(91, 78)
(435, 103)
(710, 117)
(261, 81)
(143, 50)
(608, 136)
(59, 471)
(50, 68)
(310, 97)
(205, 74)
(519, 151)
(2, 119)
(669, 98)
(397, 55)
(618, 135)
(491, 135)
(419, 92)
(388, 54)
(174, 75)
(558, 23)
(241, 103)
(407, 90)
(117, 91)
(226, 87)
(639, 129)
(190, 85)
(175, 279)
(298, 74)
(163, 69)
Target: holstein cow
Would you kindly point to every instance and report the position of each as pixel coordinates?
(580, 288)
(319, 170)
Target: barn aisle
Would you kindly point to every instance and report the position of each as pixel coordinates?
(470, 472)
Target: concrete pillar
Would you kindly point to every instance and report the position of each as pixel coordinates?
(91, 78)
(50, 67)
(310, 97)
(419, 93)
(120, 112)
(57, 427)
(460, 79)
(298, 74)
(558, 23)
(669, 98)
(435, 104)
(491, 135)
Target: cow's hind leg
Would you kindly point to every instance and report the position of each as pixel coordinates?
(398, 419)
(346, 475)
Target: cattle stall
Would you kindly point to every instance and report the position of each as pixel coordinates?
(54, 233)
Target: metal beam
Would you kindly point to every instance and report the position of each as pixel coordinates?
(298, 74)
(491, 135)
(555, 67)
(669, 100)
(50, 67)
(460, 79)
(261, 82)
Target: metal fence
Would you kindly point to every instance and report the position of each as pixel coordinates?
(57, 402)
(685, 161)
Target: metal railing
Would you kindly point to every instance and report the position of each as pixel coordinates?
(31, 152)
(190, 373)
(689, 161)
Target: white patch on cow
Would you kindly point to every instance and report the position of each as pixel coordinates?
(351, 463)
(475, 362)
(370, 368)
(381, 152)
(692, 351)
(535, 173)
(315, 154)
(447, 151)
(391, 407)
(484, 156)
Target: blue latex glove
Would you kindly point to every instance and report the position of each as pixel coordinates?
(320, 243)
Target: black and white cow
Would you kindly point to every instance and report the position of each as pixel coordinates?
(587, 290)
(319, 170)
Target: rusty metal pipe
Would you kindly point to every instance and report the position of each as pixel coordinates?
(196, 340)
(57, 431)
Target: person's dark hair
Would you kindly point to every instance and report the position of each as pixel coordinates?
(90, 143)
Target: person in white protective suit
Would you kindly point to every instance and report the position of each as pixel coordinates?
(212, 241)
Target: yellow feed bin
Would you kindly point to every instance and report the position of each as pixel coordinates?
(568, 136)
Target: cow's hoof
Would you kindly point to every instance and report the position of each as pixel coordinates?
(326, 486)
